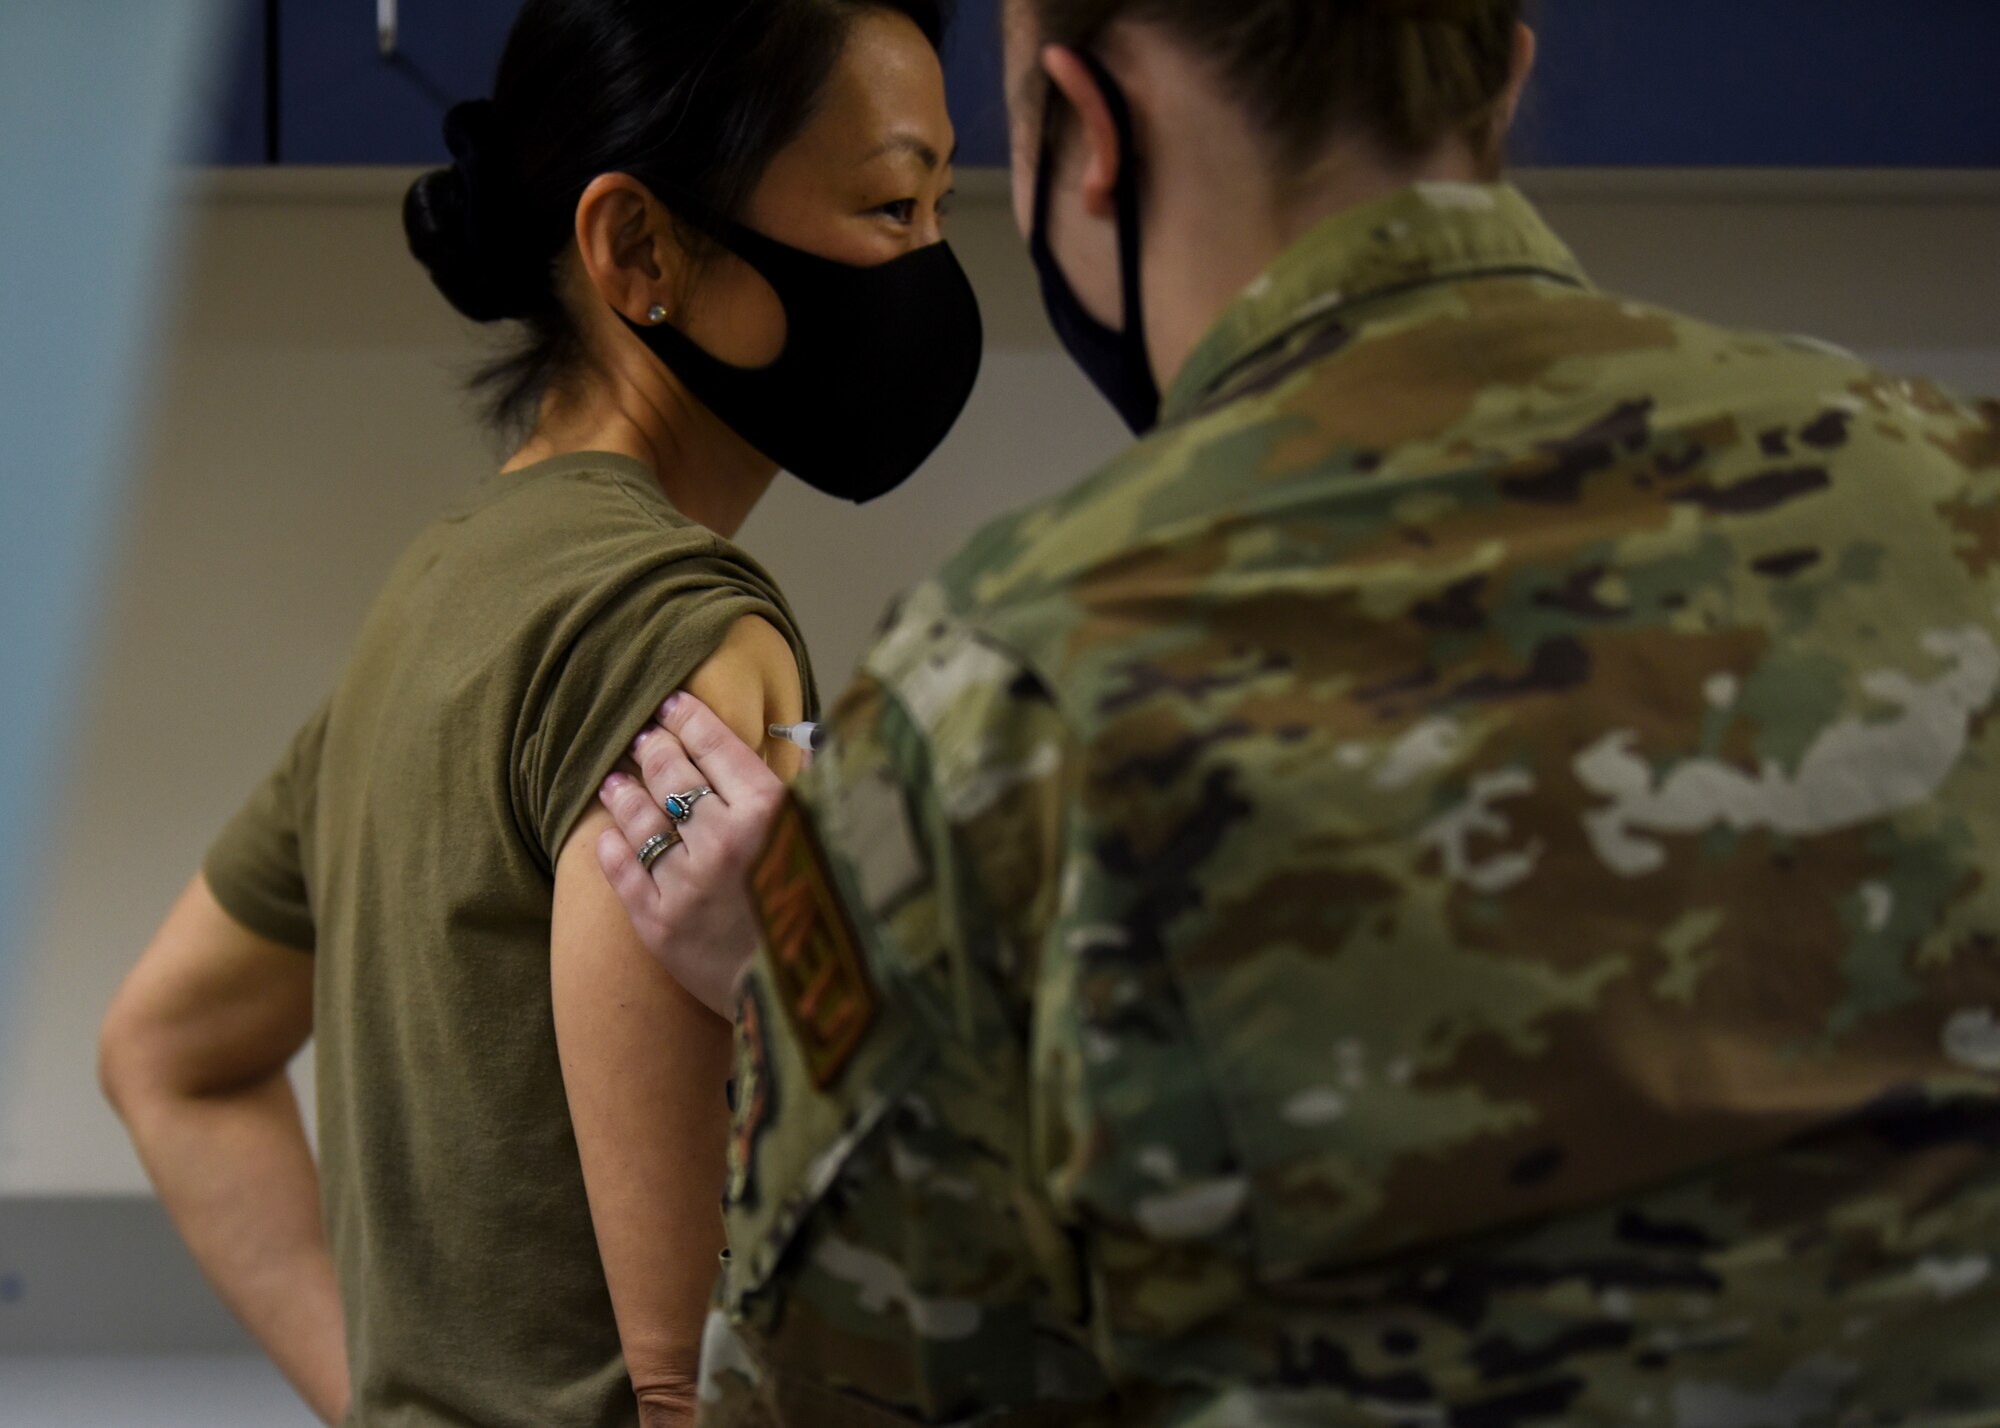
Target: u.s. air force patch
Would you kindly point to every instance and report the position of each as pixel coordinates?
(817, 973)
(752, 1098)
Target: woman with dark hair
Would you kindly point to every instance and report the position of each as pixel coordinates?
(717, 229)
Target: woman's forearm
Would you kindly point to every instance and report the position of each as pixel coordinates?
(237, 1176)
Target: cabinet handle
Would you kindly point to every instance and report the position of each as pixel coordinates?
(385, 26)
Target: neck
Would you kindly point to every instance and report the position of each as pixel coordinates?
(1214, 218)
(707, 472)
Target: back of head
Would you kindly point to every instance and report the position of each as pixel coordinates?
(692, 96)
(1408, 74)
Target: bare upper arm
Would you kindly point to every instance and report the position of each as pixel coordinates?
(645, 1067)
(752, 682)
(210, 1007)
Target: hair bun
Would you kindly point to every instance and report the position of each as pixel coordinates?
(471, 227)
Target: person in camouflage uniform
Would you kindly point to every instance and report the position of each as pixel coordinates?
(1453, 884)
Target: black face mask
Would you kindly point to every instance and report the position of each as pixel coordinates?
(877, 366)
(1115, 361)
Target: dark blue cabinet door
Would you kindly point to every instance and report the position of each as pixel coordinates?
(1777, 83)
(229, 126)
(973, 80)
(342, 102)
(1694, 83)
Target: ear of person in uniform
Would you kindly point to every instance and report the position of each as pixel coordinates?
(1089, 157)
(1083, 219)
(1526, 48)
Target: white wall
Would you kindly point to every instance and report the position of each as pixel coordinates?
(309, 423)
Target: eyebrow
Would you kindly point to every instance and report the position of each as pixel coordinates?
(911, 144)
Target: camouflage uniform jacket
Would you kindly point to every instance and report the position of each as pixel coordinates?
(1452, 885)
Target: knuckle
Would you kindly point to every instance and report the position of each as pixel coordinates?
(682, 710)
(654, 756)
(629, 803)
(705, 732)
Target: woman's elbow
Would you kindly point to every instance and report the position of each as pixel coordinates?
(119, 1070)
(128, 1060)
(140, 1057)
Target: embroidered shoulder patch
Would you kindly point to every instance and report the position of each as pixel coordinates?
(752, 1099)
(817, 973)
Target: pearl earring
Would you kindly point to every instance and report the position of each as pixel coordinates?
(656, 314)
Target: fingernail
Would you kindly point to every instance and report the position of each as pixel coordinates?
(644, 734)
(611, 785)
(673, 703)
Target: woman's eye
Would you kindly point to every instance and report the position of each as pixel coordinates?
(903, 211)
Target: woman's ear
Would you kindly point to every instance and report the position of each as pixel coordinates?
(1102, 154)
(625, 238)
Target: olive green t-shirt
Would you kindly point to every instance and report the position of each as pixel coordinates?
(408, 839)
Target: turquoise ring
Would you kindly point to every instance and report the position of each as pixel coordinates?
(680, 806)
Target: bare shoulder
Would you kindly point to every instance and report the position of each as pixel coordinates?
(752, 682)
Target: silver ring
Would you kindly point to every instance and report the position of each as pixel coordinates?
(680, 806)
(656, 847)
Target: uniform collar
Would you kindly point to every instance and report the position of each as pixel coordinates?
(1428, 233)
